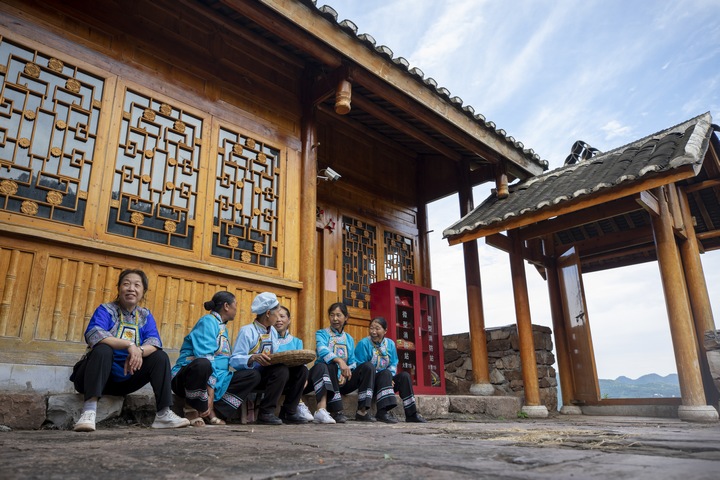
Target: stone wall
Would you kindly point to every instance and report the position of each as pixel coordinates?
(504, 362)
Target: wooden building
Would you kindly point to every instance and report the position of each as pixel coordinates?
(192, 138)
(656, 199)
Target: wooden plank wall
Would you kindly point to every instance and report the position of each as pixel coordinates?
(49, 293)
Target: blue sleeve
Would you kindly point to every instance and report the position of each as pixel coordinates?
(149, 334)
(322, 342)
(363, 352)
(241, 350)
(297, 344)
(99, 326)
(392, 350)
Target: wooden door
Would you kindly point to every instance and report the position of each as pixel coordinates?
(579, 339)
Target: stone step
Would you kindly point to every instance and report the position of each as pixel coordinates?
(29, 411)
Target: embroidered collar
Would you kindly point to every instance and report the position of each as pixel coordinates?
(217, 316)
(262, 328)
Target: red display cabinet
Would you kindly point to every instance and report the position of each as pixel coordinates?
(413, 316)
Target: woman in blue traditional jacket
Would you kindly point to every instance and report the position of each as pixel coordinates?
(319, 378)
(253, 350)
(124, 354)
(381, 352)
(201, 374)
(336, 348)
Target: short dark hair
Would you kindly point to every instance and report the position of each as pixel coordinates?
(341, 306)
(136, 271)
(381, 321)
(287, 310)
(218, 300)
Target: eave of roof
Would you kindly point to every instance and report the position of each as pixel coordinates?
(682, 146)
(342, 36)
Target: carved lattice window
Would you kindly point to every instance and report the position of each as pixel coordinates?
(48, 124)
(155, 183)
(359, 261)
(399, 257)
(245, 214)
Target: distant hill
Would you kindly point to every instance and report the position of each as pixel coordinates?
(647, 386)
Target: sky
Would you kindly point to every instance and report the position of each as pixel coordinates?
(607, 72)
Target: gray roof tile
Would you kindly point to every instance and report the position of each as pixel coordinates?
(684, 144)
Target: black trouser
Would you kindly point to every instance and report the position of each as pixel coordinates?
(320, 383)
(385, 392)
(91, 376)
(190, 382)
(279, 379)
(362, 380)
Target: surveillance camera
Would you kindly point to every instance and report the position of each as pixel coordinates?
(329, 174)
(332, 174)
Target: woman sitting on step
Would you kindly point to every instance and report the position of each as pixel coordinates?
(202, 373)
(381, 352)
(124, 354)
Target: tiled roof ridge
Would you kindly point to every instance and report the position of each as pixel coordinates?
(330, 14)
(680, 127)
(692, 151)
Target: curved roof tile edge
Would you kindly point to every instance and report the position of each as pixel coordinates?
(694, 153)
(330, 14)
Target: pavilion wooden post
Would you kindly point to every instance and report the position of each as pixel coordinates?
(698, 292)
(694, 406)
(478, 341)
(532, 407)
(308, 203)
(567, 383)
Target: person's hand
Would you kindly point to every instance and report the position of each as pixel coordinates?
(261, 358)
(344, 369)
(134, 360)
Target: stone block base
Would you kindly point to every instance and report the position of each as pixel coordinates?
(64, 410)
(25, 411)
(499, 406)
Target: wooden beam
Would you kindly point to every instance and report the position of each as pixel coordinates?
(600, 212)
(640, 249)
(649, 203)
(531, 254)
(575, 205)
(613, 242)
(702, 185)
(385, 116)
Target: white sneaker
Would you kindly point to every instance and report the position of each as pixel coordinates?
(304, 412)
(86, 423)
(170, 420)
(322, 416)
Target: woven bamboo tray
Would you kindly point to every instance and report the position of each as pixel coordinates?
(293, 358)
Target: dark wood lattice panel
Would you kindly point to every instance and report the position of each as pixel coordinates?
(399, 257)
(359, 261)
(155, 184)
(49, 114)
(245, 223)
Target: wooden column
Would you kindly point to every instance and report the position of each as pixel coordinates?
(698, 293)
(422, 264)
(567, 383)
(679, 316)
(478, 342)
(308, 202)
(524, 326)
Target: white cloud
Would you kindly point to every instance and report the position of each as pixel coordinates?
(614, 129)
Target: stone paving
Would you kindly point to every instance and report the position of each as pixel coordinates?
(467, 446)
